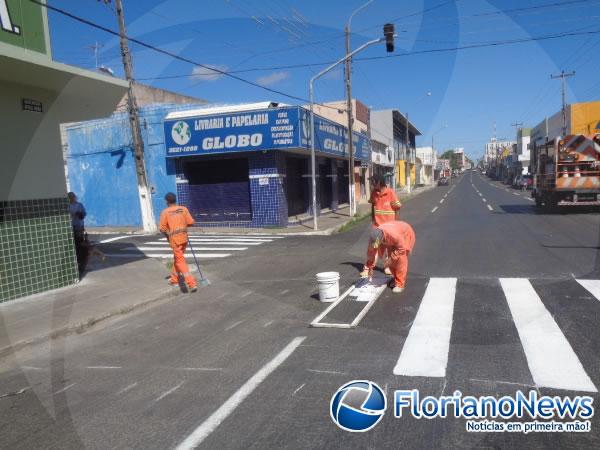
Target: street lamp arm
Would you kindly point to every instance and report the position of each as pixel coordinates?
(356, 11)
(348, 56)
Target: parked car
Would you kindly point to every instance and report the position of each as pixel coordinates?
(443, 181)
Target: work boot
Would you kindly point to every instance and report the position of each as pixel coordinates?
(387, 271)
(193, 288)
(173, 283)
(364, 274)
(398, 290)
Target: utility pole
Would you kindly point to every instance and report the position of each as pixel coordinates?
(563, 76)
(148, 221)
(407, 157)
(350, 127)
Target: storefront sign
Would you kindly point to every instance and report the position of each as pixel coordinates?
(266, 129)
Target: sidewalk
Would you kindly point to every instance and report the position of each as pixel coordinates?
(327, 224)
(104, 292)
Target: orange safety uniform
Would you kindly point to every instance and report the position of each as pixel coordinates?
(174, 221)
(384, 204)
(399, 240)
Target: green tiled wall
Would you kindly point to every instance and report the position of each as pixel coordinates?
(37, 252)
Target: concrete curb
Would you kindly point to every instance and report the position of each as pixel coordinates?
(88, 323)
(264, 233)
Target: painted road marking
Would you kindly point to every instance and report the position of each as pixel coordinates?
(480, 194)
(160, 255)
(60, 391)
(166, 244)
(530, 199)
(490, 207)
(434, 209)
(442, 201)
(232, 326)
(484, 200)
(169, 392)
(592, 286)
(197, 249)
(216, 418)
(249, 235)
(551, 359)
(106, 241)
(104, 367)
(127, 388)
(223, 239)
(425, 351)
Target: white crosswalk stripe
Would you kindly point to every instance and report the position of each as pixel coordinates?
(551, 360)
(425, 352)
(205, 246)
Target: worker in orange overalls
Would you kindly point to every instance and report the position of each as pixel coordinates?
(385, 208)
(398, 238)
(174, 221)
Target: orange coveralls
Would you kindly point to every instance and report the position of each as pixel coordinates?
(385, 203)
(399, 240)
(174, 221)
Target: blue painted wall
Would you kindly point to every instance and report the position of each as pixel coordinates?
(101, 168)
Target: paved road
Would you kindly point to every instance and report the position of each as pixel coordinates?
(235, 365)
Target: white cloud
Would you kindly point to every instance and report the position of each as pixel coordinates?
(207, 74)
(274, 78)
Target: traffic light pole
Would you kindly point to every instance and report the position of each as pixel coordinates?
(311, 94)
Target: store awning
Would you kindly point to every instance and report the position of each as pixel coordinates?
(83, 94)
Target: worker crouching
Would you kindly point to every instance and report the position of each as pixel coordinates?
(398, 238)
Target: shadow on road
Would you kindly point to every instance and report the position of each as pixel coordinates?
(559, 210)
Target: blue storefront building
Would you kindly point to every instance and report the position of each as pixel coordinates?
(246, 166)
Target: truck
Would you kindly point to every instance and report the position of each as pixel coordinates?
(567, 171)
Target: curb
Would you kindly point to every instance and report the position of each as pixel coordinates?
(86, 324)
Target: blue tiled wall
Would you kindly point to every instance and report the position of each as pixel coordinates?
(269, 205)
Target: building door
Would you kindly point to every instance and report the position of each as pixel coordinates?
(325, 185)
(342, 176)
(295, 185)
(217, 190)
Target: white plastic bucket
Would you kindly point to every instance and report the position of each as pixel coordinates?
(329, 286)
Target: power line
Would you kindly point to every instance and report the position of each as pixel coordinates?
(401, 55)
(165, 52)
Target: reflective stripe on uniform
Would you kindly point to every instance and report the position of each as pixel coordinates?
(387, 213)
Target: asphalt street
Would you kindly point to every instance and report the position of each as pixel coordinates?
(236, 365)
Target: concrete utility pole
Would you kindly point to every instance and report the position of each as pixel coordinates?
(350, 127)
(349, 112)
(148, 221)
(407, 157)
(563, 76)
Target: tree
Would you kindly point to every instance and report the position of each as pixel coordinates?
(449, 154)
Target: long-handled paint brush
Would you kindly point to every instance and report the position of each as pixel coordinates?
(203, 281)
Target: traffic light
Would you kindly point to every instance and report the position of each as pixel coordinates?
(388, 32)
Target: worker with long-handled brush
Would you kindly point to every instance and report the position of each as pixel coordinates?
(398, 238)
(174, 222)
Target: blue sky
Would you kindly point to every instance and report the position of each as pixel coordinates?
(470, 89)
